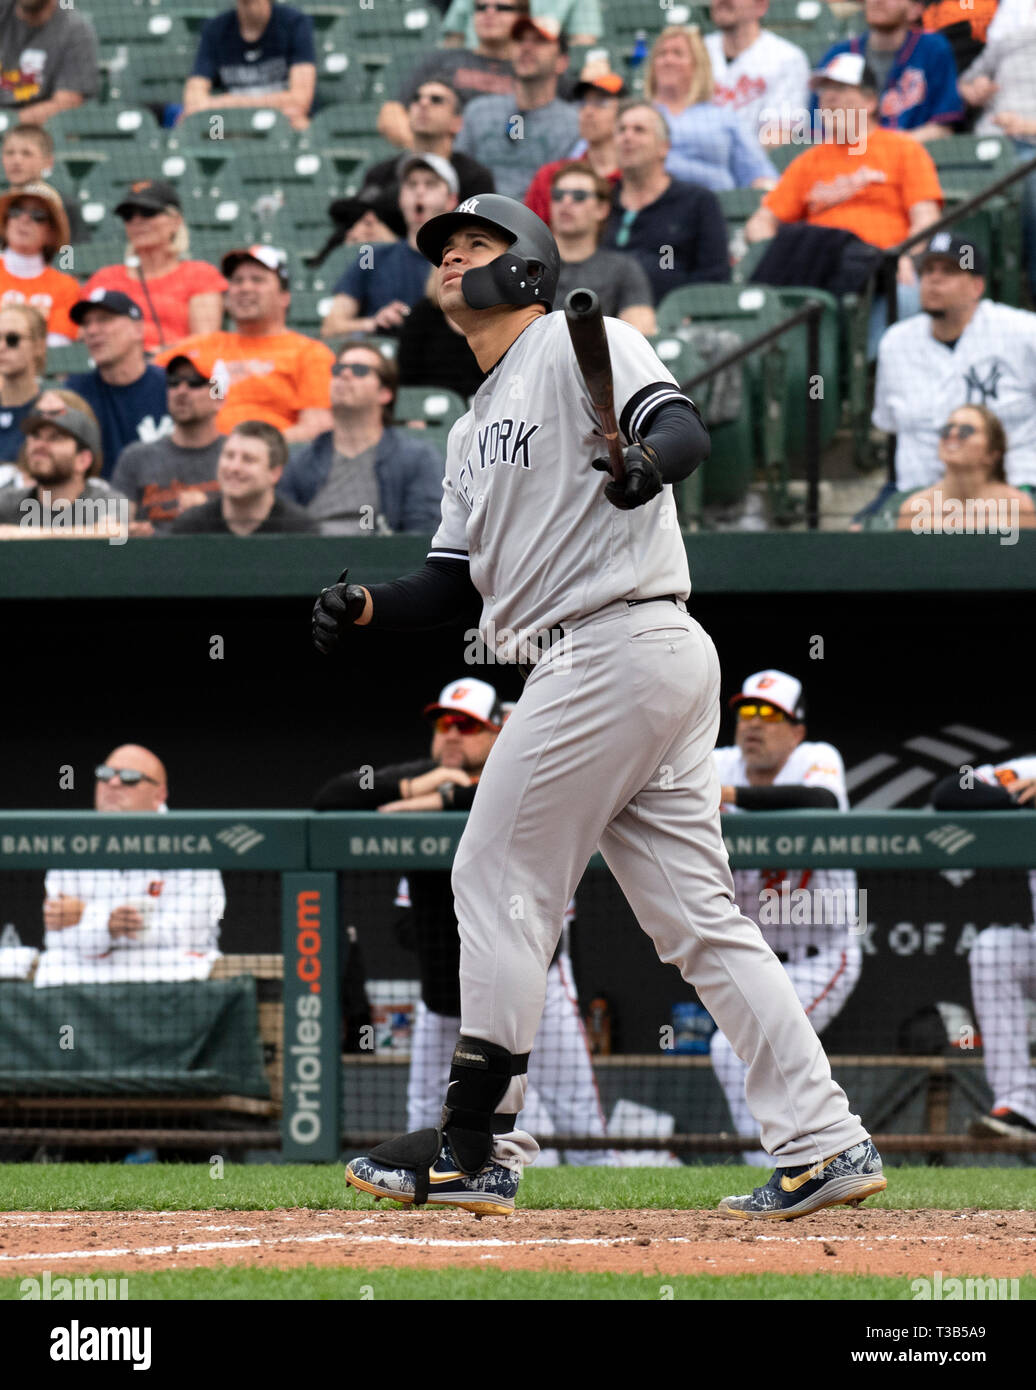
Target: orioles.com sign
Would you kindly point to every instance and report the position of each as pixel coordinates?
(304, 1060)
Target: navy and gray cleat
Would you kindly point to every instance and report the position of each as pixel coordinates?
(440, 1183)
(850, 1176)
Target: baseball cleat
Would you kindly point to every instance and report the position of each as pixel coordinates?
(1003, 1123)
(490, 1192)
(850, 1176)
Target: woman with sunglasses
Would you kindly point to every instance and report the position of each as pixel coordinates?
(972, 446)
(177, 296)
(23, 360)
(34, 227)
(708, 146)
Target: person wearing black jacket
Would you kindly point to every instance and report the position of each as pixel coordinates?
(561, 1096)
(1002, 962)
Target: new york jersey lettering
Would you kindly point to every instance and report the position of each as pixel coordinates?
(505, 441)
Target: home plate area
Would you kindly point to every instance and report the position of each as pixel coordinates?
(845, 1241)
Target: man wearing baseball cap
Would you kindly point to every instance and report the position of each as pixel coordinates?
(771, 767)
(961, 349)
(433, 117)
(125, 393)
(598, 93)
(261, 369)
(376, 293)
(177, 296)
(165, 477)
(62, 454)
(516, 134)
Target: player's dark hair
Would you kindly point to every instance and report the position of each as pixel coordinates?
(386, 368)
(276, 447)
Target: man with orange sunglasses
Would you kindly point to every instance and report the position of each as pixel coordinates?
(809, 917)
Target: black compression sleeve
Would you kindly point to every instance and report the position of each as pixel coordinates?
(786, 799)
(949, 795)
(355, 791)
(678, 436)
(440, 592)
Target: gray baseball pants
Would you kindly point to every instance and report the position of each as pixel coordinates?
(609, 747)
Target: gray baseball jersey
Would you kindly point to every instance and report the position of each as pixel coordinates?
(525, 449)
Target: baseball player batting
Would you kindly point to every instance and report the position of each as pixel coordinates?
(609, 746)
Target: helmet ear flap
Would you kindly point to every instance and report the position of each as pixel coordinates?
(509, 279)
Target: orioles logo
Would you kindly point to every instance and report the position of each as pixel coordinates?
(766, 682)
(460, 692)
(154, 888)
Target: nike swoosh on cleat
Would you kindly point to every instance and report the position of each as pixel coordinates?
(434, 1178)
(793, 1184)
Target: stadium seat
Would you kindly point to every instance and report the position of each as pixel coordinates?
(438, 409)
(780, 156)
(343, 123)
(91, 257)
(71, 357)
(887, 515)
(96, 124)
(340, 78)
(307, 310)
(233, 124)
(136, 28)
(326, 276)
(151, 79)
(394, 19)
(107, 182)
(725, 478)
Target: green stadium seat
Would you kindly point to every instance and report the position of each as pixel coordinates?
(435, 410)
(340, 78)
(887, 515)
(725, 478)
(136, 28)
(152, 79)
(96, 124)
(107, 182)
(70, 357)
(233, 126)
(780, 156)
(394, 19)
(625, 19)
(972, 153)
(278, 171)
(103, 250)
(326, 276)
(343, 123)
(307, 310)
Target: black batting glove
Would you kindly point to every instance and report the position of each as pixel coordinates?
(643, 478)
(337, 607)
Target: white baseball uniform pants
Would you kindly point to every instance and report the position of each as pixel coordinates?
(1003, 977)
(822, 983)
(610, 746)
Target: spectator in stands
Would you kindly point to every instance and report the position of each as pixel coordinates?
(961, 349)
(27, 152)
(1002, 961)
(125, 393)
(377, 292)
(916, 73)
(675, 230)
(34, 228)
(760, 77)
(972, 445)
(176, 296)
(598, 96)
(815, 931)
(107, 923)
(965, 28)
(579, 19)
(257, 54)
(263, 369)
(48, 58)
(168, 476)
(561, 1094)
(432, 352)
(481, 69)
(23, 360)
(435, 119)
(62, 457)
(362, 477)
(580, 206)
(707, 144)
(251, 462)
(1000, 84)
(878, 184)
(515, 135)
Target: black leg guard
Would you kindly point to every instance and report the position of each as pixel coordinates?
(417, 1150)
(479, 1078)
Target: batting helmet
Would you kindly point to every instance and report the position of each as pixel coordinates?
(528, 271)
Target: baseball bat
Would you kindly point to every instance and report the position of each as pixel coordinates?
(586, 329)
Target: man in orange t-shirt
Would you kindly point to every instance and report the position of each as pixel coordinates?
(879, 184)
(263, 370)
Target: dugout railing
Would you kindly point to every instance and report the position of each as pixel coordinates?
(297, 1035)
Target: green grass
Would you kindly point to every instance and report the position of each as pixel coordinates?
(450, 1285)
(266, 1187)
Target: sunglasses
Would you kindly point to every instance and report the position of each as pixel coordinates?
(128, 776)
(194, 382)
(481, 8)
(360, 369)
(578, 195)
(37, 215)
(13, 339)
(767, 713)
(432, 98)
(961, 431)
(137, 211)
(463, 723)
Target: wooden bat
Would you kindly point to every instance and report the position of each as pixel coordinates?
(586, 329)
